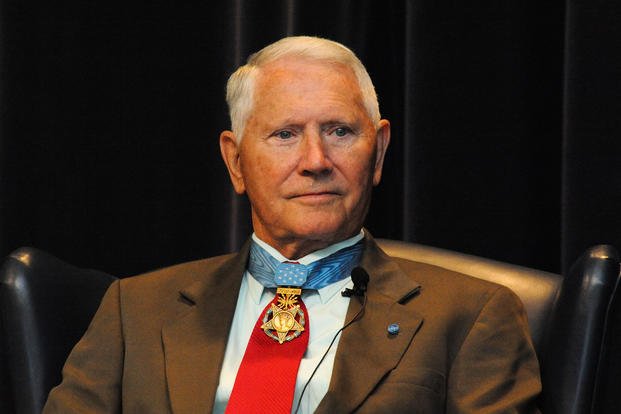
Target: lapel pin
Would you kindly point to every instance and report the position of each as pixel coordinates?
(393, 328)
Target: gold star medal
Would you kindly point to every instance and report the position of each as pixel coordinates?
(285, 321)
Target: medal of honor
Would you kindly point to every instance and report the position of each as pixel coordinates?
(285, 321)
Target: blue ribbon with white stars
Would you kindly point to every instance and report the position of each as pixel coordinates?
(272, 273)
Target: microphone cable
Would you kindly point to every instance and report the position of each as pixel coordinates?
(357, 316)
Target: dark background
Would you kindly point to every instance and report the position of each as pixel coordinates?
(506, 124)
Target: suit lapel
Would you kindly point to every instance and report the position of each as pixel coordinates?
(366, 351)
(194, 343)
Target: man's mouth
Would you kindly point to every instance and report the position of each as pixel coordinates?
(315, 196)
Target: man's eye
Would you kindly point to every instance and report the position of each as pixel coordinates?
(284, 134)
(341, 131)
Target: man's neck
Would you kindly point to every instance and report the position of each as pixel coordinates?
(308, 257)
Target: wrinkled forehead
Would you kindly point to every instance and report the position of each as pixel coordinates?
(290, 68)
(302, 76)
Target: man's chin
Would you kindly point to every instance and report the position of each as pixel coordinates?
(328, 234)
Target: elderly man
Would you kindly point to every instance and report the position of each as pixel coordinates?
(280, 326)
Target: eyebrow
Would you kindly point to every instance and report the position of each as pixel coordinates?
(354, 125)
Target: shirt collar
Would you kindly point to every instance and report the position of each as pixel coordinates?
(256, 289)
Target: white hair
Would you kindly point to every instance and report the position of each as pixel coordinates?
(241, 84)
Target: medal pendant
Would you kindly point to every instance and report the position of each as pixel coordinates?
(285, 321)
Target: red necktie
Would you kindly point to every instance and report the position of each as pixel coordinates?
(265, 381)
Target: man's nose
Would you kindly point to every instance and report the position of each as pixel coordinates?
(314, 156)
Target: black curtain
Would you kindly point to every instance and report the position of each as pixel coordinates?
(505, 114)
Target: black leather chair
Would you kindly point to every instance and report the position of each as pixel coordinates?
(574, 321)
(46, 305)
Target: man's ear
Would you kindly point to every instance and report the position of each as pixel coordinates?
(382, 140)
(229, 148)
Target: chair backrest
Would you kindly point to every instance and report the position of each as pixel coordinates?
(46, 306)
(578, 363)
(571, 319)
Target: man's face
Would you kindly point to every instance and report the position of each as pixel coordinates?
(309, 156)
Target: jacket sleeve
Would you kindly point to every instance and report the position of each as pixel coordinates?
(496, 368)
(92, 374)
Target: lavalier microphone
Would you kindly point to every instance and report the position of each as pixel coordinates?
(360, 277)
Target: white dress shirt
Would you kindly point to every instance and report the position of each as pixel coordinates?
(326, 312)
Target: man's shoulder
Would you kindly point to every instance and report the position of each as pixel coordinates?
(436, 284)
(451, 302)
(451, 287)
(433, 275)
(176, 277)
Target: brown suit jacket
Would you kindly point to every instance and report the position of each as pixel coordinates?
(157, 343)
